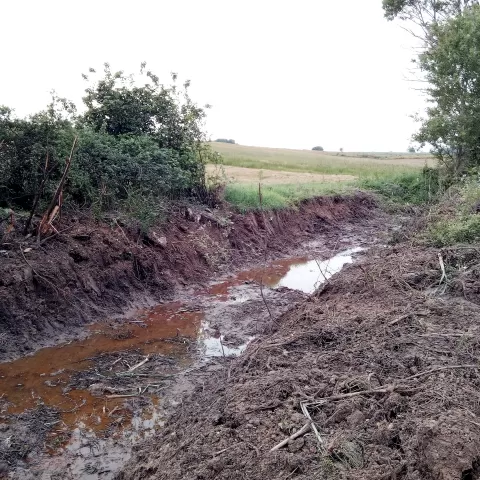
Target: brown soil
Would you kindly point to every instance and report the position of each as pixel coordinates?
(382, 358)
(92, 270)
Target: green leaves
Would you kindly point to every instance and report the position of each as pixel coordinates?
(452, 69)
(137, 139)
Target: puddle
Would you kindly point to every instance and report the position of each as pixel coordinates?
(269, 276)
(45, 376)
(212, 344)
(308, 276)
(300, 273)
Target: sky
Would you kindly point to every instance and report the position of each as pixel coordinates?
(277, 73)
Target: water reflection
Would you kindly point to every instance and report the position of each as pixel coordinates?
(308, 276)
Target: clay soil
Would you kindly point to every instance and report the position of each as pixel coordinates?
(91, 270)
(384, 359)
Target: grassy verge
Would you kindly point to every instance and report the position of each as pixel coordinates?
(456, 218)
(245, 196)
(417, 187)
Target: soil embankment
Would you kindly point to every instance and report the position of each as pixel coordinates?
(91, 270)
(76, 409)
(384, 360)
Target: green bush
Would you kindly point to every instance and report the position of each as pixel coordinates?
(318, 148)
(145, 139)
(464, 229)
(413, 188)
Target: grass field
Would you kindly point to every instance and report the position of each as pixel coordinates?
(289, 176)
(357, 164)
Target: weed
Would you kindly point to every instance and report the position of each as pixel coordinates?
(464, 229)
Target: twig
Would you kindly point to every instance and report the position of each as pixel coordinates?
(260, 198)
(113, 411)
(46, 239)
(221, 344)
(143, 362)
(124, 396)
(442, 266)
(446, 335)
(121, 229)
(399, 319)
(75, 408)
(306, 428)
(434, 370)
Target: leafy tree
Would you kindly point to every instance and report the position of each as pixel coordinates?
(425, 13)
(452, 68)
(318, 148)
(136, 140)
(411, 150)
(225, 140)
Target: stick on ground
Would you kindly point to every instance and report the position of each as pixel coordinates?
(306, 428)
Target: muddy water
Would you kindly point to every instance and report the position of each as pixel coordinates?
(171, 338)
(44, 377)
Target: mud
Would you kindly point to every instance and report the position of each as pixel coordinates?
(93, 270)
(383, 358)
(107, 392)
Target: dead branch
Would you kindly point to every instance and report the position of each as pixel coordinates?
(53, 208)
(389, 388)
(306, 428)
(440, 369)
(138, 365)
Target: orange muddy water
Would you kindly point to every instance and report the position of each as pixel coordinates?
(43, 377)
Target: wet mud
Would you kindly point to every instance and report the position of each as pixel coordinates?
(76, 409)
(374, 376)
(114, 388)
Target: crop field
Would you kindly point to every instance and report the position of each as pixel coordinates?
(289, 176)
(332, 163)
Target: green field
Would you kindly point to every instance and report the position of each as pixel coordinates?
(357, 164)
(386, 170)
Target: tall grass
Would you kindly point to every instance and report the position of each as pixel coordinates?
(246, 196)
(418, 187)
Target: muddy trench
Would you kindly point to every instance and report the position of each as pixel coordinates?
(77, 409)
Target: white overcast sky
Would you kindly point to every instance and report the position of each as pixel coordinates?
(278, 73)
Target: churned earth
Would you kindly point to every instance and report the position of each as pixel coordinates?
(172, 311)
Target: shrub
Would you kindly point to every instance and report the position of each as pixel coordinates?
(145, 139)
(414, 188)
(464, 229)
(225, 140)
(318, 148)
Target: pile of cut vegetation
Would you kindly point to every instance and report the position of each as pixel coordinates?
(376, 376)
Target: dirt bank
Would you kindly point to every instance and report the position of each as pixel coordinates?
(384, 360)
(94, 270)
(74, 410)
